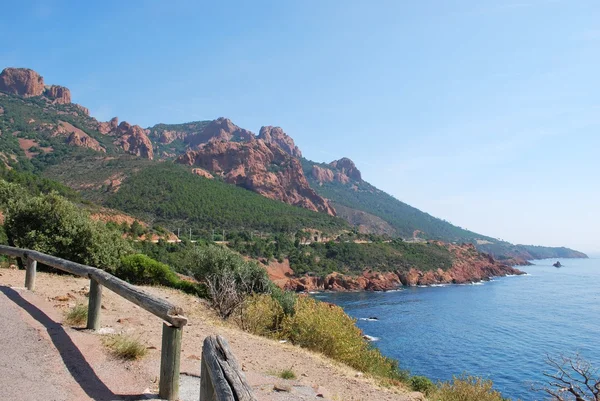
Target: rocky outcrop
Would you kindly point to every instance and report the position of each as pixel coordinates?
(21, 81)
(339, 282)
(58, 94)
(83, 140)
(28, 83)
(202, 173)
(220, 129)
(342, 171)
(346, 168)
(261, 167)
(133, 140)
(321, 174)
(275, 135)
(76, 137)
(84, 110)
(106, 128)
(469, 266)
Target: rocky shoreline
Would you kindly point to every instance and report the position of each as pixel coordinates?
(468, 267)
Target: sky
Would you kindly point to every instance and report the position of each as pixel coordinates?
(484, 113)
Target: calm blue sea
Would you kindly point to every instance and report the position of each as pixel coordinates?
(500, 330)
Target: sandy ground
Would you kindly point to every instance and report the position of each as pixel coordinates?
(44, 356)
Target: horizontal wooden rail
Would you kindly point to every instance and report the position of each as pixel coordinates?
(171, 344)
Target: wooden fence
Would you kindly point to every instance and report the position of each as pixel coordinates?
(221, 378)
(173, 315)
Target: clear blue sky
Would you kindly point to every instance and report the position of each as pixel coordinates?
(485, 113)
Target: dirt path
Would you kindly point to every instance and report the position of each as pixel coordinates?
(72, 364)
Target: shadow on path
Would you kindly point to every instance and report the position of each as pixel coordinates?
(73, 359)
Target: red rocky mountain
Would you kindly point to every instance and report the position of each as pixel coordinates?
(262, 167)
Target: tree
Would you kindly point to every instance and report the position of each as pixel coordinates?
(572, 378)
(53, 225)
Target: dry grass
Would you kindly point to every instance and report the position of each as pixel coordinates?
(77, 315)
(125, 347)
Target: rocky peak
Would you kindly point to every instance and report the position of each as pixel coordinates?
(58, 94)
(21, 81)
(133, 139)
(275, 135)
(28, 83)
(347, 167)
(322, 174)
(261, 167)
(83, 140)
(108, 127)
(220, 129)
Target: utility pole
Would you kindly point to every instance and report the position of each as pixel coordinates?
(223, 235)
(190, 234)
(178, 233)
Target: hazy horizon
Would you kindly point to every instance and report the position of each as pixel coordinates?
(482, 114)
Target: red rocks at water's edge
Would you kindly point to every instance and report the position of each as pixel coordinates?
(469, 266)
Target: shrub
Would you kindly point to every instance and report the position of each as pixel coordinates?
(328, 329)
(287, 374)
(125, 347)
(53, 225)
(262, 314)
(143, 270)
(77, 315)
(287, 299)
(229, 278)
(422, 384)
(467, 388)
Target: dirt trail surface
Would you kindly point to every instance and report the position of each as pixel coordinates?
(43, 359)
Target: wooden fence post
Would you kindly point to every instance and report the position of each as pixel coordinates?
(31, 267)
(94, 305)
(170, 354)
(221, 377)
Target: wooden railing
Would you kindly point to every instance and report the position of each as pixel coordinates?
(171, 333)
(221, 378)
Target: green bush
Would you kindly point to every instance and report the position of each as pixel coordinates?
(422, 384)
(53, 225)
(467, 388)
(320, 327)
(143, 270)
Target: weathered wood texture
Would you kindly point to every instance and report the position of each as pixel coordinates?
(159, 307)
(221, 378)
(31, 270)
(94, 305)
(169, 362)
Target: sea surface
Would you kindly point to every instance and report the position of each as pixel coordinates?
(501, 330)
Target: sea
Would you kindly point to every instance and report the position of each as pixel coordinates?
(502, 330)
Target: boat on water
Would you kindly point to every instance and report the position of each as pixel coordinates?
(557, 264)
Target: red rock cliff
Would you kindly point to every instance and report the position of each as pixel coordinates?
(469, 266)
(133, 139)
(275, 135)
(220, 129)
(58, 94)
(21, 81)
(261, 167)
(347, 168)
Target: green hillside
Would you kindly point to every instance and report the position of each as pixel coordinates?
(404, 218)
(169, 194)
(34, 119)
(407, 220)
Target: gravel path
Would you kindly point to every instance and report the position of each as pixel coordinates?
(31, 368)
